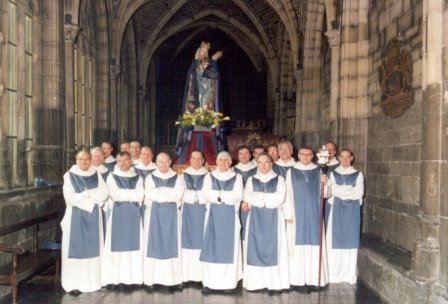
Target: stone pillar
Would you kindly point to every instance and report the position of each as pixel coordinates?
(334, 39)
(1, 70)
(151, 122)
(4, 180)
(426, 257)
(354, 106)
(142, 110)
(310, 104)
(282, 118)
(70, 33)
(114, 73)
(277, 110)
(299, 141)
(270, 102)
(311, 77)
(48, 110)
(330, 12)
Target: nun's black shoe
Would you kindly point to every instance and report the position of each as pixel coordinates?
(274, 292)
(314, 288)
(75, 293)
(301, 289)
(175, 288)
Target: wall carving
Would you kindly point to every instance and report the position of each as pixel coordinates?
(33, 7)
(395, 78)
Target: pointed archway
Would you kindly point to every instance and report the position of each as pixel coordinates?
(242, 86)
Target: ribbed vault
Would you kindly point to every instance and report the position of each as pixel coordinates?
(259, 23)
(280, 38)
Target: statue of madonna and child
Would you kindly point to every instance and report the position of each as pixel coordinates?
(202, 107)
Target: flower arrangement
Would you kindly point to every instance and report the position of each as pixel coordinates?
(201, 116)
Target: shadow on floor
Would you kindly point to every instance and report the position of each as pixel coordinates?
(52, 293)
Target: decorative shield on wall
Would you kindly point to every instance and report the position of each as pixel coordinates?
(395, 78)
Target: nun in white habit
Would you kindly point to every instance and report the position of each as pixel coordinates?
(82, 228)
(266, 248)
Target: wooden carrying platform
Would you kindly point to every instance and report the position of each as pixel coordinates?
(24, 264)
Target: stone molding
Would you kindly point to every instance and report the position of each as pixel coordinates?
(142, 93)
(298, 75)
(334, 38)
(115, 70)
(71, 32)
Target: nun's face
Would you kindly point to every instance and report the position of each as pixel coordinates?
(196, 160)
(83, 161)
(345, 159)
(244, 156)
(223, 163)
(163, 162)
(306, 156)
(264, 164)
(285, 152)
(331, 150)
(124, 162)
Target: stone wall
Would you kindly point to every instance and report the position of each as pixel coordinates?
(406, 204)
(24, 203)
(394, 144)
(443, 238)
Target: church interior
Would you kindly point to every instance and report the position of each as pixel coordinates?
(370, 76)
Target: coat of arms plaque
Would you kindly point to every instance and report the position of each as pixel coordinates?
(395, 78)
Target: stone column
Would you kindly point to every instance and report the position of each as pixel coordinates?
(426, 257)
(277, 111)
(142, 110)
(1, 70)
(151, 122)
(354, 106)
(4, 166)
(334, 39)
(48, 110)
(311, 77)
(299, 141)
(70, 33)
(114, 73)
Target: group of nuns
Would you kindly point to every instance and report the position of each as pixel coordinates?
(260, 222)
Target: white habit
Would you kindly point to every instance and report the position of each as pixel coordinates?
(191, 266)
(221, 276)
(304, 258)
(342, 262)
(272, 277)
(83, 274)
(164, 271)
(123, 266)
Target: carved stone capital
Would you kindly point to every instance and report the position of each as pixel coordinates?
(334, 37)
(142, 93)
(71, 32)
(298, 74)
(115, 71)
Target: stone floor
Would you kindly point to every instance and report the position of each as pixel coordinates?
(52, 293)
